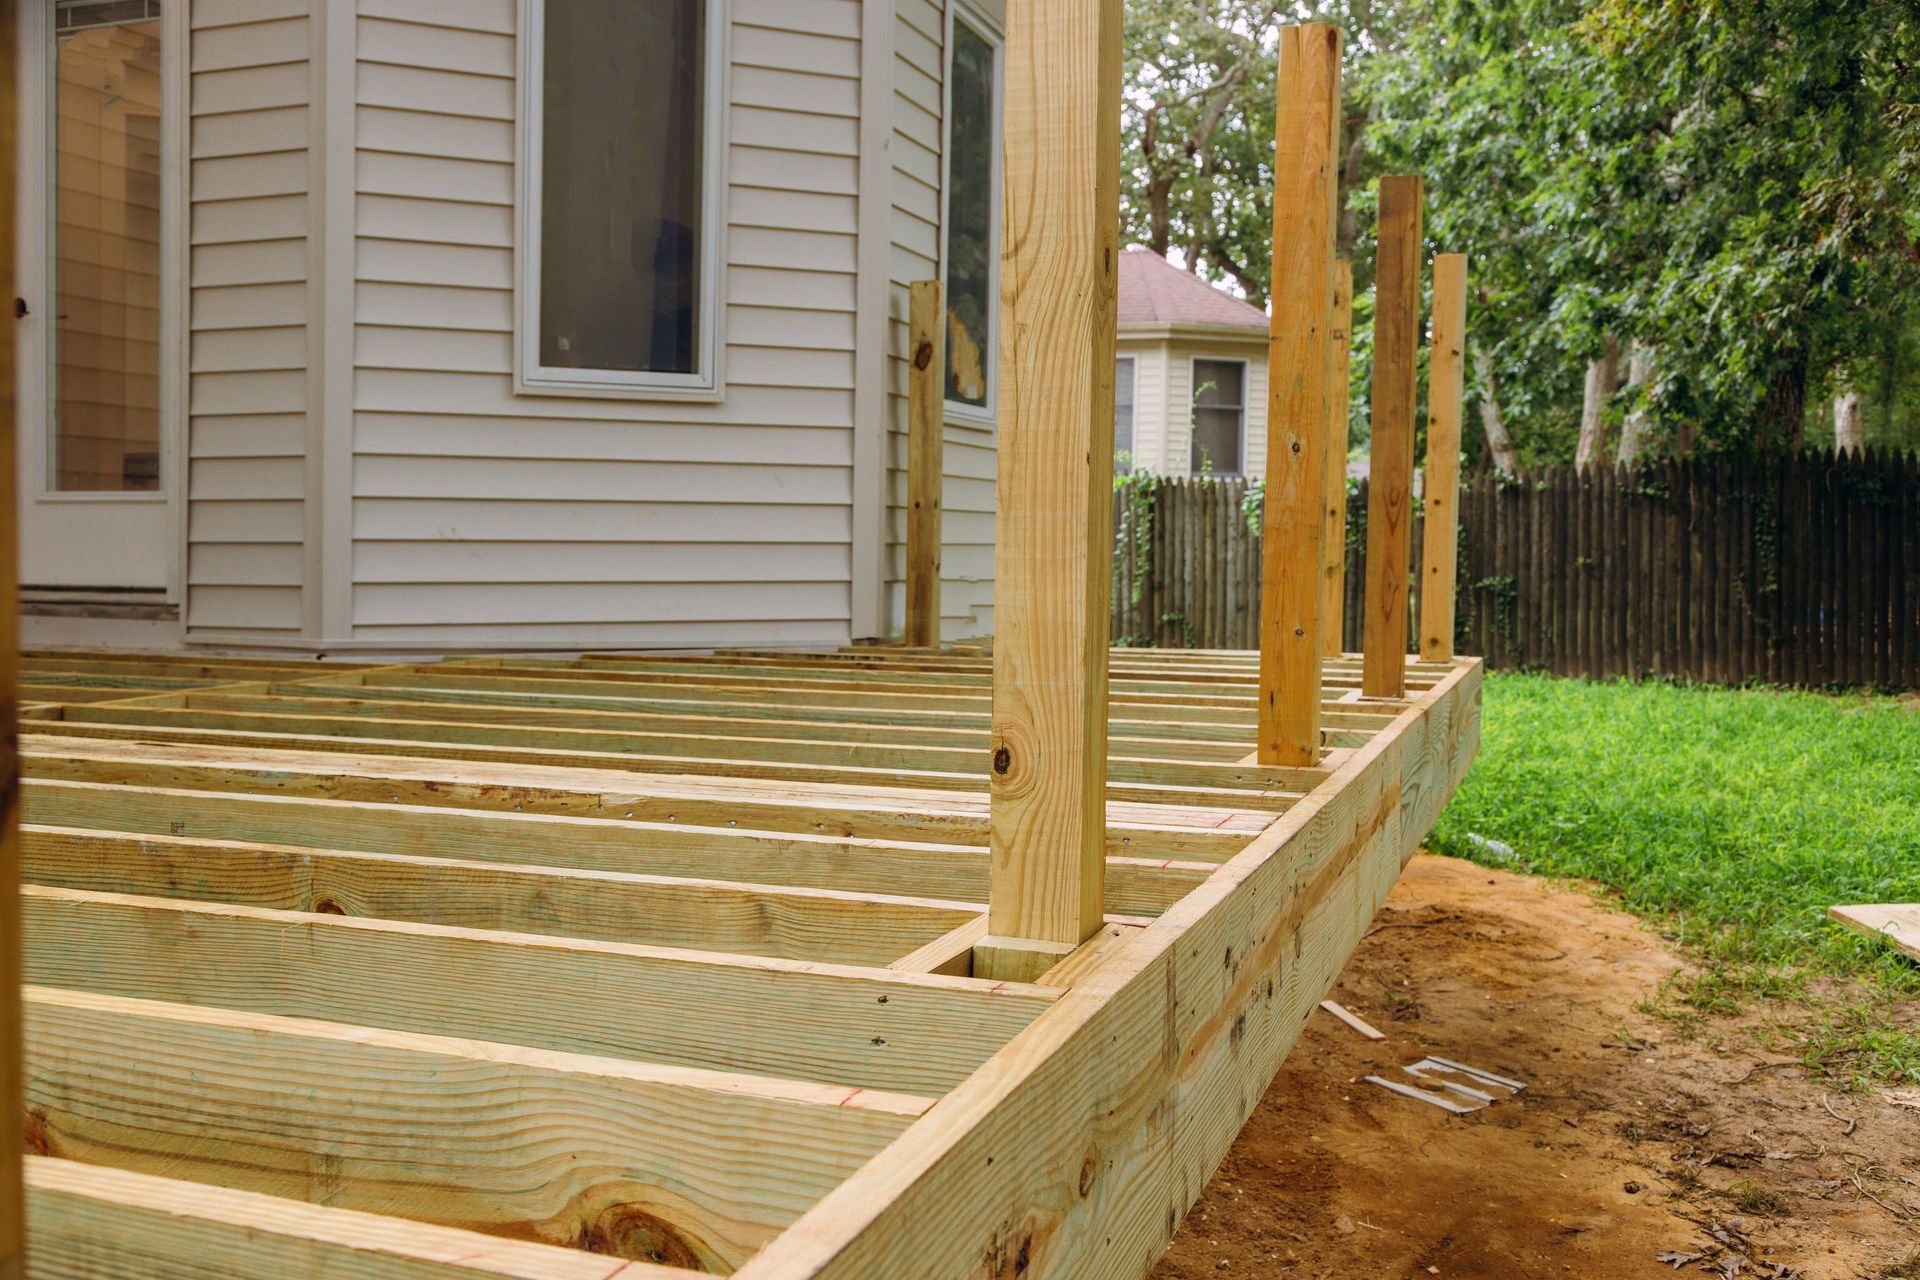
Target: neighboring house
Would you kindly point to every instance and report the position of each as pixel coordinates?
(1190, 374)
(433, 324)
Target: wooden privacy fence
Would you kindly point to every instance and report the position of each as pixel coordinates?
(1797, 569)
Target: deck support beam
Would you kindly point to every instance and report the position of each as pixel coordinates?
(1300, 364)
(926, 428)
(1446, 388)
(1396, 347)
(1053, 564)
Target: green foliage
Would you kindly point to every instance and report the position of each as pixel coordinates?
(1136, 523)
(1727, 182)
(1731, 817)
(1197, 157)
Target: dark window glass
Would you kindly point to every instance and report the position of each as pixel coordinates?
(1219, 416)
(970, 215)
(1123, 380)
(105, 247)
(623, 182)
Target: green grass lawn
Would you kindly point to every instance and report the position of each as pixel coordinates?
(1732, 818)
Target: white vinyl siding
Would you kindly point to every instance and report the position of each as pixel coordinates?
(247, 316)
(482, 516)
(967, 491)
(1126, 379)
(1149, 375)
(1163, 426)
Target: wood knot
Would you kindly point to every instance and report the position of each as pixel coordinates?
(1002, 760)
(1088, 1168)
(39, 1135)
(328, 907)
(628, 1231)
(923, 356)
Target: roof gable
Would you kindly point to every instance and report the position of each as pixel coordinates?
(1154, 291)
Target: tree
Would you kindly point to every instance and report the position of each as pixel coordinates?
(1197, 178)
(1723, 185)
(1728, 182)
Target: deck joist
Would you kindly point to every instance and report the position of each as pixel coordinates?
(511, 967)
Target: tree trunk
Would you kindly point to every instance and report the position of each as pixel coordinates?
(1348, 232)
(1636, 433)
(1493, 419)
(1603, 379)
(1849, 429)
(1784, 414)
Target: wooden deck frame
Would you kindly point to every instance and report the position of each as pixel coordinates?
(350, 928)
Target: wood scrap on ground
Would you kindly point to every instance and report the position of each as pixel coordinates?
(1893, 922)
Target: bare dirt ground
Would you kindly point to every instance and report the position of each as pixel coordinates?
(1633, 1139)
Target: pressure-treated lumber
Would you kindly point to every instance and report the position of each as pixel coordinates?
(784, 922)
(96, 1223)
(1137, 885)
(864, 1028)
(1075, 1150)
(1446, 388)
(1299, 371)
(12, 1193)
(1054, 544)
(517, 953)
(1895, 923)
(926, 466)
(1396, 346)
(654, 1162)
(1250, 786)
(1333, 577)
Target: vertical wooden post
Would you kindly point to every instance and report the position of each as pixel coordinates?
(1299, 373)
(13, 1210)
(926, 431)
(1053, 562)
(1446, 388)
(1396, 344)
(1333, 587)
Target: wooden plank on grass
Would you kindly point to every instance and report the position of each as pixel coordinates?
(1897, 924)
(1396, 349)
(1054, 546)
(926, 469)
(1300, 360)
(699, 1168)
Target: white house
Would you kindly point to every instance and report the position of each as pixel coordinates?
(1190, 374)
(380, 325)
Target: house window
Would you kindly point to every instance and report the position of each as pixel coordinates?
(620, 197)
(973, 216)
(1125, 369)
(1219, 416)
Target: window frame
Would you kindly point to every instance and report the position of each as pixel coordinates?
(1132, 359)
(530, 377)
(983, 26)
(1193, 407)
